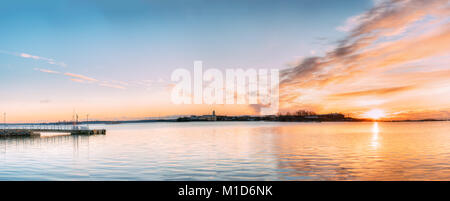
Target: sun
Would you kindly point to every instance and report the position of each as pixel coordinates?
(375, 114)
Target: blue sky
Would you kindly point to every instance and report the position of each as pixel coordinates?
(104, 37)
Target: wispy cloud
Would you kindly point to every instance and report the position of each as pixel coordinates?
(78, 78)
(81, 77)
(48, 60)
(30, 56)
(382, 91)
(116, 86)
(352, 23)
(47, 71)
(86, 79)
(72, 76)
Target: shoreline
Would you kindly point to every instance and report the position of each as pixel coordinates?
(178, 121)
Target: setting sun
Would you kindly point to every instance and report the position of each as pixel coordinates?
(375, 114)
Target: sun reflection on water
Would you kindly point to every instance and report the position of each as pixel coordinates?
(375, 130)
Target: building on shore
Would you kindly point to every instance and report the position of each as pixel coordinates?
(295, 117)
(211, 117)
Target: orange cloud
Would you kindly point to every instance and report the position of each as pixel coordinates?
(383, 91)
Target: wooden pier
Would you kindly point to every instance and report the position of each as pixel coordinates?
(9, 132)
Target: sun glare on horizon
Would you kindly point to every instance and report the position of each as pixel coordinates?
(375, 114)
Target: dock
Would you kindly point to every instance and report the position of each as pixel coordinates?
(36, 131)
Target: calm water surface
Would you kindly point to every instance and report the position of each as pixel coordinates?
(236, 151)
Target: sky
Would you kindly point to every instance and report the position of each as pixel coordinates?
(113, 59)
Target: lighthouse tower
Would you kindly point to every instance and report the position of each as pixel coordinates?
(214, 118)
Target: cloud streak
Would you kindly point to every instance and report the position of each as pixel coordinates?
(382, 91)
(48, 60)
(34, 57)
(47, 71)
(78, 78)
(81, 77)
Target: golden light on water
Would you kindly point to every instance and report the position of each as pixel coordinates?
(375, 130)
(375, 114)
